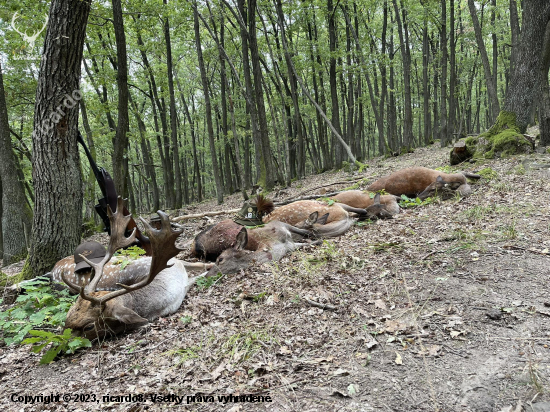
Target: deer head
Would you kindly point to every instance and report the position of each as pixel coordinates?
(98, 313)
(29, 39)
(237, 257)
(378, 210)
(440, 187)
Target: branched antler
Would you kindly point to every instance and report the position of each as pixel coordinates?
(163, 247)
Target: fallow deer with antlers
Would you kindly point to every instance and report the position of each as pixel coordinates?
(156, 287)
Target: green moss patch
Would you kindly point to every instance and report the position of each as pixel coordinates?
(502, 140)
(488, 173)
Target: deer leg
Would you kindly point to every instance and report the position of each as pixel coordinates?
(360, 212)
(197, 265)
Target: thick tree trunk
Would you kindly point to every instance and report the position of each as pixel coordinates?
(57, 220)
(208, 109)
(16, 214)
(525, 79)
(544, 107)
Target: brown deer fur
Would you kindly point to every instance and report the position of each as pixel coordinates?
(363, 200)
(415, 180)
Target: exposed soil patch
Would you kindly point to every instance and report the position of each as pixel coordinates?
(445, 307)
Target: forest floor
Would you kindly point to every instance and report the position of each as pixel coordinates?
(445, 307)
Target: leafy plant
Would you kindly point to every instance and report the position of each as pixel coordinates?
(39, 307)
(129, 255)
(407, 202)
(59, 343)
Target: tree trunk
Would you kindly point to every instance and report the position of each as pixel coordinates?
(545, 91)
(57, 222)
(173, 115)
(120, 152)
(491, 86)
(402, 27)
(443, 130)
(335, 120)
(525, 79)
(16, 214)
(208, 109)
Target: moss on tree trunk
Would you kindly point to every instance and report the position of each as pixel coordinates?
(502, 140)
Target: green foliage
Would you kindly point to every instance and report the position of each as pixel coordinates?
(129, 255)
(407, 202)
(39, 307)
(58, 343)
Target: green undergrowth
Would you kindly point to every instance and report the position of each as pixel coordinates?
(407, 202)
(36, 312)
(488, 174)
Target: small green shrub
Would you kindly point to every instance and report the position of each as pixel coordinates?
(59, 343)
(488, 174)
(39, 307)
(128, 255)
(407, 202)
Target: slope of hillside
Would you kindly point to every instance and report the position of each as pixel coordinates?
(445, 307)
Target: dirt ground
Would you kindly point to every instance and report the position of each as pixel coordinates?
(446, 307)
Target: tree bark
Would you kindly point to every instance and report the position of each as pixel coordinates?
(402, 26)
(525, 79)
(544, 107)
(120, 152)
(491, 86)
(57, 222)
(16, 214)
(443, 131)
(173, 115)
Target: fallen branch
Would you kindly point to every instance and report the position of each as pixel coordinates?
(342, 182)
(320, 305)
(199, 215)
(511, 247)
(286, 202)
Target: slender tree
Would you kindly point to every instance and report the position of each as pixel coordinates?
(16, 214)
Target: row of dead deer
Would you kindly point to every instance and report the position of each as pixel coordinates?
(113, 299)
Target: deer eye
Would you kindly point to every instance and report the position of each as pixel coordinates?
(89, 327)
(220, 260)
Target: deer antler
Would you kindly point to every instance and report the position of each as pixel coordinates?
(162, 243)
(119, 222)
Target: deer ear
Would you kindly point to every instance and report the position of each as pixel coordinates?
(323, 219)
(313, 218)
(242, 239)
(127, 315)
(377, 199)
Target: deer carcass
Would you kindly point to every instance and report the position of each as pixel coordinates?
(297, 213)
(272, 241)
(363, 200)
(155, 286)
(211, 242)
(423, 182)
